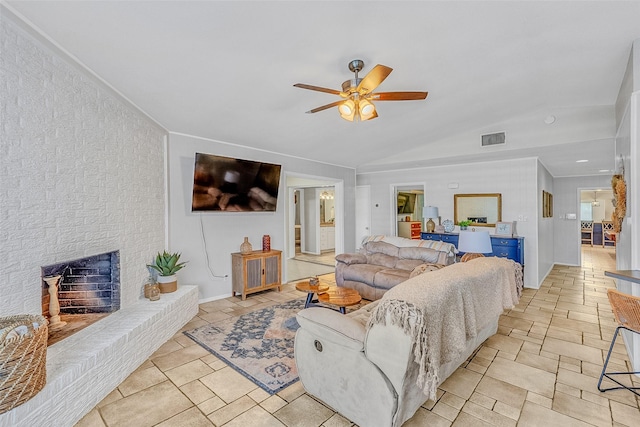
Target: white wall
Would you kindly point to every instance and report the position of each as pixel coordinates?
(81, 171)
(310, 200)
(515, 180)
(627, 142)
(545, 247)
(566, 200)
(224, 231)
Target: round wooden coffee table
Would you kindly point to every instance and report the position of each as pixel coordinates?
(341, 297)
(311, 290)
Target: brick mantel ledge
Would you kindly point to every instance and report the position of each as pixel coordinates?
(86, 366)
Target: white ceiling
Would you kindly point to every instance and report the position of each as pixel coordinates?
(225, 71)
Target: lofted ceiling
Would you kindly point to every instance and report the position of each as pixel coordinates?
(225, 70)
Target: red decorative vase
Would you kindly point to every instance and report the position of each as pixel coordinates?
(266, 243)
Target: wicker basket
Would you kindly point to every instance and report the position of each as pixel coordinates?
(23, 356)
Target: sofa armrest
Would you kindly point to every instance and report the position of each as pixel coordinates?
(351, 258)
(332, 326)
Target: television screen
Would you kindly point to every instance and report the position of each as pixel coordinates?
(234, 185)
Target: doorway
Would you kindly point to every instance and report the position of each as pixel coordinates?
(314, 226)
(408, 203)
(596, 235)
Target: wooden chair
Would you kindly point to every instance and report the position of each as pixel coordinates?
(608, 234)
(626, 309)
(587, 232)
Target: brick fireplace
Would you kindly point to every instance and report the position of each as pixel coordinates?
(88, 290)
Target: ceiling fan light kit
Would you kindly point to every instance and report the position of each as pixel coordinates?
(358, 93)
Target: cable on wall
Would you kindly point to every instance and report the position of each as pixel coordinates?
(206, 252)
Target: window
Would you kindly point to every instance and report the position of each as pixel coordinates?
(586, 211)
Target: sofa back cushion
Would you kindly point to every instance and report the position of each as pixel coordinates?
(423, 254)
(408, 264)
(381, 247)
(382, 259)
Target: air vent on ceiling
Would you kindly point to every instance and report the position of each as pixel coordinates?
(493, 139)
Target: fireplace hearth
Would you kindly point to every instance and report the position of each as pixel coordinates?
(88, 290)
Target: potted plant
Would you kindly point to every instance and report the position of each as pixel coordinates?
(464, 224)
(167, 265)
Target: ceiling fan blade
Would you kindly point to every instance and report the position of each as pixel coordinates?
(324, 107)
(373, 78)
(397, 96)
(317, 88)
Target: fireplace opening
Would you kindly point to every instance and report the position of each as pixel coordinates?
(80, 292)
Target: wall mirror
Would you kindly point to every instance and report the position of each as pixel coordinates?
(483, 210)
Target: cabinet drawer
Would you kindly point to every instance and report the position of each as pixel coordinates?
(416, 225)
(449, 239)
(428, 236)
(497, 241)
(505, 252)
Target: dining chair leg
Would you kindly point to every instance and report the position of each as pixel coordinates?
(607, 374)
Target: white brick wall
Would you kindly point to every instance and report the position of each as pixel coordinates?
(81, 172)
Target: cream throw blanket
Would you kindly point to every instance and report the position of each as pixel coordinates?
(443, 309)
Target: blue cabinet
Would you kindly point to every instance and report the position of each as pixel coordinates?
(504, 247)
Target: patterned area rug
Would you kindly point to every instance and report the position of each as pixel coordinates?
(259, 345)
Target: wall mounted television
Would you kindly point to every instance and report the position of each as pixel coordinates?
(226, 184)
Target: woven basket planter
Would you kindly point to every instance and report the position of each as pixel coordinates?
(23, 357)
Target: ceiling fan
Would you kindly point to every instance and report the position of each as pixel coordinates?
(358, 93)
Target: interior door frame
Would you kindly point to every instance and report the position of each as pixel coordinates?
(310, 181)
(393, 193)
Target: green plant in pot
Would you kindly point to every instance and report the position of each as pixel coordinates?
(464, 224)
(167, 265)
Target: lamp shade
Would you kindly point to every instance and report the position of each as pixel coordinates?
(430, 212)
(477, 242)
(367, 109)
(347, 110)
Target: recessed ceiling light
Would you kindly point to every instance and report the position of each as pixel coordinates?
(550, 119)
(582, 161)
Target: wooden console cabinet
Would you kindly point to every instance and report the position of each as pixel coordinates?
(256, 271)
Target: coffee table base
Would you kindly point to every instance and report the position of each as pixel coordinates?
(311, 290)
(310, 301)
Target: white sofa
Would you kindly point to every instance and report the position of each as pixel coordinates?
(364, 365)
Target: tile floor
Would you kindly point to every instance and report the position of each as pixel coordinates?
(540, 369)
(325, 258)
(297, 269)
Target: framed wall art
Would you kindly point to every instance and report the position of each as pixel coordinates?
(505, 229)
(547, 204)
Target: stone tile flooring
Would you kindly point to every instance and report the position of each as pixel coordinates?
(325, 258)
(540, 369)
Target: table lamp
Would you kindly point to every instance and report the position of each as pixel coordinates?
(430, 212)
(474, 244)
